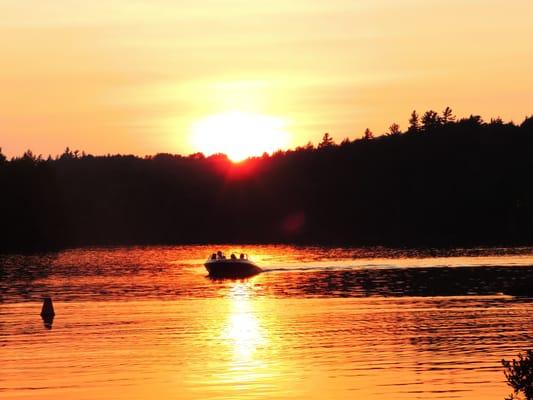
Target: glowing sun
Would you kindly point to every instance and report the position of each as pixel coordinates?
(239, 135)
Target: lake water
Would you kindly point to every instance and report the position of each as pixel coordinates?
(147, 323)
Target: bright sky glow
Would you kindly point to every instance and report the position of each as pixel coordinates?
(126, 76)
(239, 135)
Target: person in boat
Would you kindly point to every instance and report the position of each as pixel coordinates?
(214, 256)
(233, 256)
(220, 256)
(241, 256)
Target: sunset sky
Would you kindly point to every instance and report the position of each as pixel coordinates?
(142, 77)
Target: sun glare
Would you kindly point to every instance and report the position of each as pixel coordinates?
(239, 135)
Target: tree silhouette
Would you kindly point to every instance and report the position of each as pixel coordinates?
(472, 121)
(414, 123)
(430, 120)
(394, 129)
(473, 172)
(67, 155)
(327, 141)
(368, 134)
(527, 123)
(496, 121)
(447, 116)
(30, 158)
(519, 375)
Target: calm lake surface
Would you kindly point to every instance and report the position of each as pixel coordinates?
(147, 323)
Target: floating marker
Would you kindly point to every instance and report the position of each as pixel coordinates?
(48, 308)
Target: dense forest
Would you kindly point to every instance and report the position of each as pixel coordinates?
(442, 182)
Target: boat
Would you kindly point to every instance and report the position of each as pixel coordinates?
(219, 266)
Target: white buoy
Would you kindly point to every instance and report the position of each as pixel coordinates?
(48, 308)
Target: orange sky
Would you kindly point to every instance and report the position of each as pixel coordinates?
(136, 76)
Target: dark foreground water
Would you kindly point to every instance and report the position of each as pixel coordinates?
(146, 323)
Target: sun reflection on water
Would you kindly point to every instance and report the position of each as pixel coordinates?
(243, 329)
(246, 342)
(316, 324)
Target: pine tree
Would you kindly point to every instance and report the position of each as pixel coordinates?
(430, 120)
(414, 123)
(368, 134)
(447, 116)
(394, 129)
(327, 141)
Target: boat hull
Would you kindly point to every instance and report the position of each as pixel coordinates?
(231, 269)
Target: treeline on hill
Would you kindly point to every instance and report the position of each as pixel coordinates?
(443, 182)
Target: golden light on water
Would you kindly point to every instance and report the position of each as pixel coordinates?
(310, 327)
(245, 338)
(239, 134)
(243, 329)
